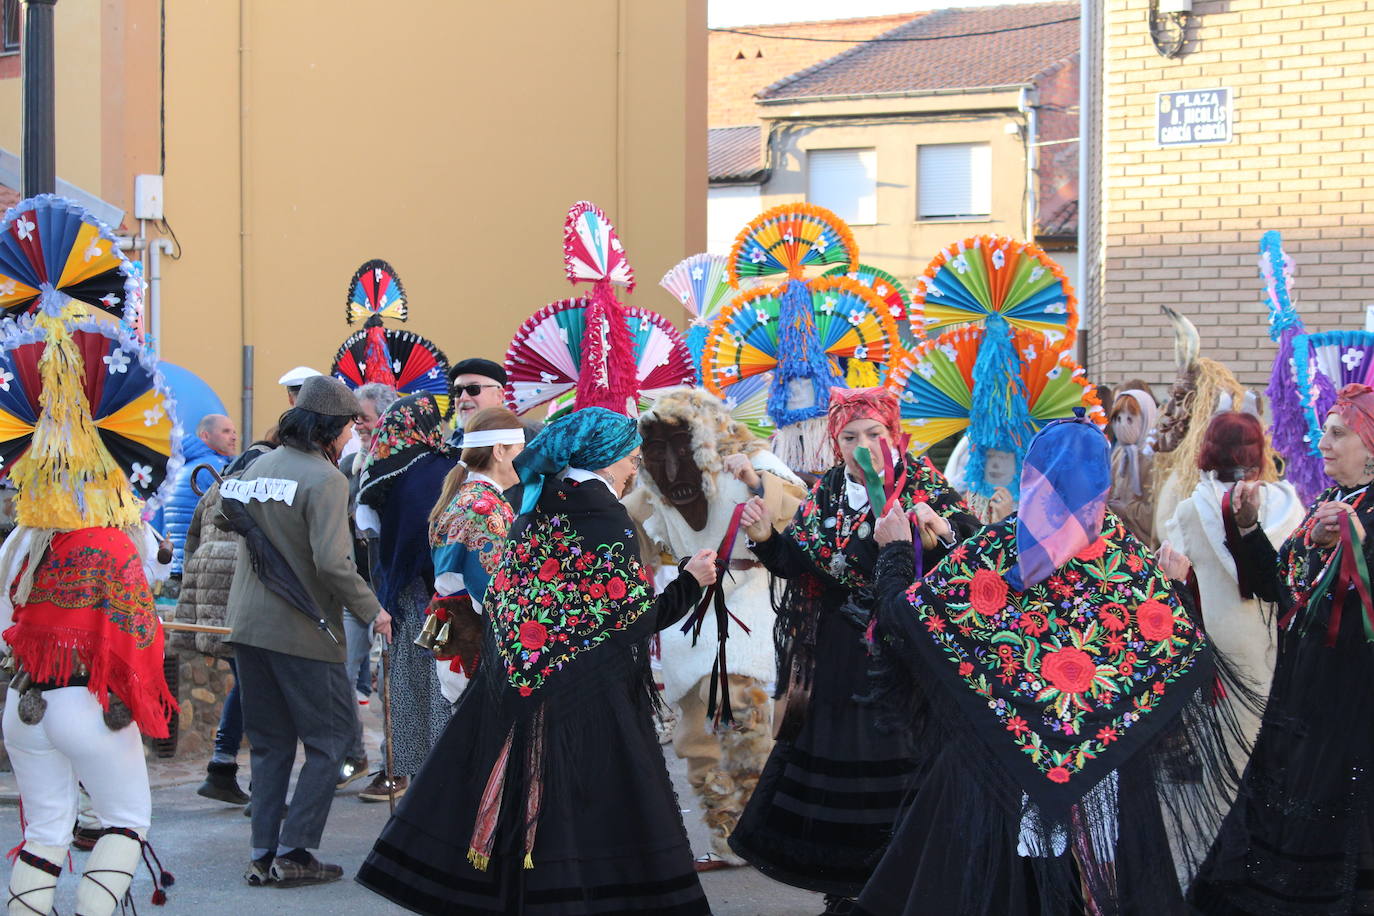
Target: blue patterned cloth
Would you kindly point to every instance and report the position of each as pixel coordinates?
(591, 438)
(1064, 484)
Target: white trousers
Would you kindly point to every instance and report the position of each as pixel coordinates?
(73, 744)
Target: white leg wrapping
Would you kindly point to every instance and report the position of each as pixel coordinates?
(109, 871)
(31, 888)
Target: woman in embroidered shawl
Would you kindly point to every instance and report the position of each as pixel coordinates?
(1298, 840)
(467, 535)
(825, 804)
(1058, 676)
(548, 793)
(401, 479)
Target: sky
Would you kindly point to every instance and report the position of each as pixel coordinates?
(728, 13)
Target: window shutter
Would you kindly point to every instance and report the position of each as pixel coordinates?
(954, 180)
(846, 181)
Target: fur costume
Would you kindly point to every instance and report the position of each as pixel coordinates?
(722, 767)
(1202, 388)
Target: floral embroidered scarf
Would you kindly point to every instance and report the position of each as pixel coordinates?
(1069, 678)
(839, 539)
(570, 580)
(90, 604)
(411, 428)
(478, 519)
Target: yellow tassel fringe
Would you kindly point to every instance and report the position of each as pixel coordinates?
(67, 479)
(479, 861)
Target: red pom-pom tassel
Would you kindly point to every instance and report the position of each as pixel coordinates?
(159, 897)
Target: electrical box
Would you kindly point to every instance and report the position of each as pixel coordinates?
(147, 197)
(1175, 6)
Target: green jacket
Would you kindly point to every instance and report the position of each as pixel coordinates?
(300, 500)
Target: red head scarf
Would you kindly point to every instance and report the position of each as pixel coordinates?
(1355, 406)
(850, 404)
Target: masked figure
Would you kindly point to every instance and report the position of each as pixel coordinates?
(699, 464)
(1132, 493)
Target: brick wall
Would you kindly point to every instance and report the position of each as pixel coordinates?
(1182, 225)
(740, 65)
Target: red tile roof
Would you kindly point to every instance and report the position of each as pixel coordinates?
(741, 64)
(948, 49)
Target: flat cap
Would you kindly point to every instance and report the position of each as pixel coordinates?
(329, 396)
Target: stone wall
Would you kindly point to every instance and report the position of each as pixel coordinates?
(204, 682)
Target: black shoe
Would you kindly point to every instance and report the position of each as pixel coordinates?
(221, 784)
(835, 905)
(350, 770)
(286, 872)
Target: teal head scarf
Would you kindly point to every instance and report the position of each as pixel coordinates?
(591, 438)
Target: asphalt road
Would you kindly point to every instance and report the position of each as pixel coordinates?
(205, 845)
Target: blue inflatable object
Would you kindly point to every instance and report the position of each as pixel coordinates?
(194, 399)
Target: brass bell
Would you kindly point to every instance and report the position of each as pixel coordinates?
(441, 644)
(425, 638)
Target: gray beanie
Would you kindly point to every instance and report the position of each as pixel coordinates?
(329, 396)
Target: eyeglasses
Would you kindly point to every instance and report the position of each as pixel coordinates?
(473, 390)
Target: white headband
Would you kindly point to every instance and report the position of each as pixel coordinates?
(485, 437)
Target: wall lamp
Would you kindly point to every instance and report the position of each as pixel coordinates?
(1168, 25)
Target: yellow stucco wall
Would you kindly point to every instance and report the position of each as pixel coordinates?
(448, 138)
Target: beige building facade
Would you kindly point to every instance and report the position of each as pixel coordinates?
(1181, 224)
(304, 138)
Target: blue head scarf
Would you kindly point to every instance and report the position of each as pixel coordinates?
(591, 438)
(1064, 484)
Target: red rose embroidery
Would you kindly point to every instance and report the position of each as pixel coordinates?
(548, 570)
(483, 506)
(616, 588)
(1070, 670)
(1155, 619)
(533, 635)
(965, 669)
(1058, 774)
(987, 592)
(526, 691)
(596, 590)
(1092, 551)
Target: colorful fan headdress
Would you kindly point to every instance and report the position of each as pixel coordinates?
(701, 284)
(401, 359)
(910, 326)
(1335, 358)
(1289, 428)
(87, 426)
(805, 332)
(1007, 313)
(935, 386)
(611, 355)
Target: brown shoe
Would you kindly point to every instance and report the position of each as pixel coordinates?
(381, 788)
(289, 873)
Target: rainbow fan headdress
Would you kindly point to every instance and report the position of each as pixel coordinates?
(910, 326)
(401, 359)
(935, 388)
(1327, 362)
(87, 426)
(611, 355)
(1007, 307)
(809, 334)
(1293, 403)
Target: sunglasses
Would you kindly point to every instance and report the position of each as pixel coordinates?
(472, 391)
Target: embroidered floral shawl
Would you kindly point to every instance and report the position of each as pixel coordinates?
(1068, 679)
(571, 579)
(469, 536)
(825, 518)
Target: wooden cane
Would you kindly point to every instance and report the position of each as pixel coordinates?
(194, 628)
(386, 724)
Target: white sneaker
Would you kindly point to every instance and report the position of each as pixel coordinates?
(362, 697)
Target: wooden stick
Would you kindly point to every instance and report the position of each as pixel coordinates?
(177, 626)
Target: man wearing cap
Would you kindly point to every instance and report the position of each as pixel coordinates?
(293, 380)
(475, 383)
(293, 576)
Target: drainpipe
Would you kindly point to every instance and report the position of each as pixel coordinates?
(1029, 198)
(156, 249)
(245, 318)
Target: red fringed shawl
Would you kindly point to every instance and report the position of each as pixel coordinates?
(90, 603)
